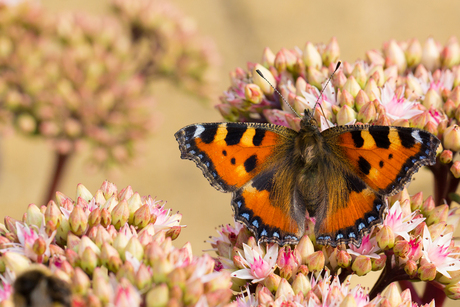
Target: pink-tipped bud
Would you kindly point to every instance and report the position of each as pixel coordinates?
(331, 52)
(452, 291)
(315, 261)
(53, 214)
(120, 214)
(427, 272)
(455, 169)
(395, 56)
(94, 217)
(428, 205)
(272, 282)
(284, 289)
(343, 259)
(258, 80)
(385, 238)
(311, 56)
(78, 221)
(34, 216)
(413, 52)
(379, 263)
(438, 215)
(157, 296)
(401, 248)
(362, 265)
(446, 156)
(345, 115)
(411, 268)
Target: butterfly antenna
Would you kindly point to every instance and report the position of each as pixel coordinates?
(285, 101)
(324, 87)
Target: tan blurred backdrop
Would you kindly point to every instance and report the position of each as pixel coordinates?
(240, 29)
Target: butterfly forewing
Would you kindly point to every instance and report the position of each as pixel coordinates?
(384, 157)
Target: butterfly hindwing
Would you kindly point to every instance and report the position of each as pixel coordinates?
(269, 219)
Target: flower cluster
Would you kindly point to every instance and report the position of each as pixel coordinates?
(166, 43)
(413, 243)
(79, 80)
(404, 84)
(113, 247)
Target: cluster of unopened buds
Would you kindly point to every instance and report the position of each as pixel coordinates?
(414, 243)
(81, 81)
(111, 248)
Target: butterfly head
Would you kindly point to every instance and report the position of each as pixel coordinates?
(308, 121)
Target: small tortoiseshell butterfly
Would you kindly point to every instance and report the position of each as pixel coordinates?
(341, 175)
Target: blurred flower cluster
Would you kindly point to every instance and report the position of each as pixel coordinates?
(83, 81)
(165, 43)
(113, 247)
(414, 243)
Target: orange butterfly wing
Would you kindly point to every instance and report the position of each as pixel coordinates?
(238, 157)
(377, 161)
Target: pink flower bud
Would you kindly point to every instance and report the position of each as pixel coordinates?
(94, 217)
(106, 218)
(343, 259)
(401, 248)
(315, 261)
(362, 265)
(431, 57)
(446, 156)
(411, 268)
(80, 282)
(428, 205)
(174, 232)
(438, 215)
(413, 52)
(331, 52)
(427, 272)
(78, 221)
(288, 261)
(379, 263)
(452, 291)
(455, 169)
(34, 216)
(120, 214)
(272, 282)
(157, 296)
(385, 238)
(53, 214)
(284, 289)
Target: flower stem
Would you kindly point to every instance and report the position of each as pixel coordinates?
(433, 292)
(387, 276)
(60, 163)
(444, 182)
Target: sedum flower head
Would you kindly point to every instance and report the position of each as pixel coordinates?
(82, 81)
(105, 261)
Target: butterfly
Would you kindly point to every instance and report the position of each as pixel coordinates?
(341, 176)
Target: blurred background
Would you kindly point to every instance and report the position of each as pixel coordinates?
(240, 31)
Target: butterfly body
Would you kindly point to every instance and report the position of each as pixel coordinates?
(340, 176)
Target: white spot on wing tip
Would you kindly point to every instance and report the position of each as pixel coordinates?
(415, 134)
(199, 130)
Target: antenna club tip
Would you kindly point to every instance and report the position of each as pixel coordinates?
(338, 65)
(259, 73)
